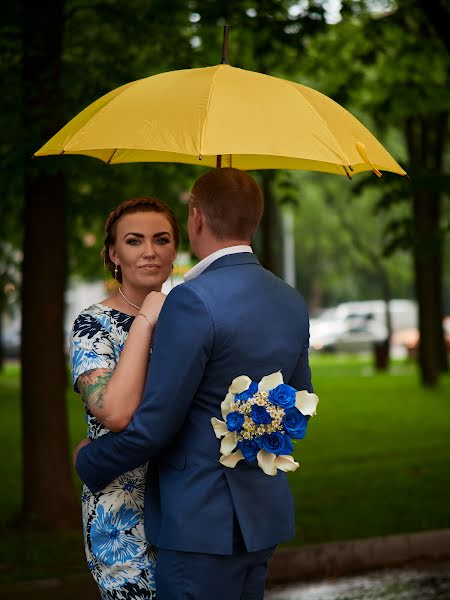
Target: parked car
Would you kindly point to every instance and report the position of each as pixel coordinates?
(357, 326)
(409, 338)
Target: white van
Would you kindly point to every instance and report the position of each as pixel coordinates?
(356, 326)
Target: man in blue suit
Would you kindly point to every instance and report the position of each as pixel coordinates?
(215, 527)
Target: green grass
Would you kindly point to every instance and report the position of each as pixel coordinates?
(376, 458)
(375, 462)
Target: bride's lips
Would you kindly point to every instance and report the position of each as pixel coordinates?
(149, 267)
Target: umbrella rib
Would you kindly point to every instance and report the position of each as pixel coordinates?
(207, 109)
(111, 157)
(295, 86)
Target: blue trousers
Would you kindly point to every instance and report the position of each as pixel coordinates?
(195, 576)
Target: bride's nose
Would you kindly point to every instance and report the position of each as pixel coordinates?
(149, 249)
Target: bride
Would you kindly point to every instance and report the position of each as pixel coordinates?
(140, 247)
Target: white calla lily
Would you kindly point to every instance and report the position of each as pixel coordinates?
(228, 443)
(232, 459)
(220, 427)
(306, 403)
(269, 382)
(266, 462)
(286, 463)
(239, 384)
(225, 407)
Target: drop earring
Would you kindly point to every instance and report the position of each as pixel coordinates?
(116, 269)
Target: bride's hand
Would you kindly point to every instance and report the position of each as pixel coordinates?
(152, 306)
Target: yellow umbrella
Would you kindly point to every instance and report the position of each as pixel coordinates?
(250, 120)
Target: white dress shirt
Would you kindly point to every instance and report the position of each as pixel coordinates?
(204, 264)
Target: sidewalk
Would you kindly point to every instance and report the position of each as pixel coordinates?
(289, 565)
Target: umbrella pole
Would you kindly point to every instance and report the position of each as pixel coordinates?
(223, 62)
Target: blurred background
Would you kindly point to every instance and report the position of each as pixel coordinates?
(370, 256)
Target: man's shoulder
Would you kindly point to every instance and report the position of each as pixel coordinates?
(214, 287)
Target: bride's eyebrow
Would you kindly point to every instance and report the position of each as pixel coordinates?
(138, 235)
(141, 235)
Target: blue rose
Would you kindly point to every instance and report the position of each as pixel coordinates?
(260, 415)
(235, 421)
(253, 388)
(249, 449)
(277, 443)
(295, 423)
(283, 395)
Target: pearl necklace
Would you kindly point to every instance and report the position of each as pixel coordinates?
(126, 300)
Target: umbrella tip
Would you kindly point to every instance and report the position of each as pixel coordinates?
(225, 45)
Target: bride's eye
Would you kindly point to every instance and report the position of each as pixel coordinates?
(133, 241)
(162, 241)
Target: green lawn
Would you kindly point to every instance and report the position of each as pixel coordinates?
(376, 458)
(375, 462)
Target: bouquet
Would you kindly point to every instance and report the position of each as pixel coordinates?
(260, 422)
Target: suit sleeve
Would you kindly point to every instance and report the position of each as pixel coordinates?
(183, 342)
(301, 376)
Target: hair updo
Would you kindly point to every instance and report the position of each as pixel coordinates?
(134, 205)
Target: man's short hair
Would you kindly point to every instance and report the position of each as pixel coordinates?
(231, 201)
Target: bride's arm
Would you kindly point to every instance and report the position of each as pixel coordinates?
(113, 395)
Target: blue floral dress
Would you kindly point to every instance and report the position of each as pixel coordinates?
(119, 557)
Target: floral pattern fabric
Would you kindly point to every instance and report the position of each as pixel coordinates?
(119, 557)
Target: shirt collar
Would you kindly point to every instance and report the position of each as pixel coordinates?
(204, 264)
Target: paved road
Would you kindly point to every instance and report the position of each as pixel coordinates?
(427, 583)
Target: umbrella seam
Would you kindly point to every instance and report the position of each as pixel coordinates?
(324, 121)
(207, 109)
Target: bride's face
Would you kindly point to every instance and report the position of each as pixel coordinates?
(144, 248)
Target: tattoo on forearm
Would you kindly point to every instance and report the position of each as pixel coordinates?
(92, 386)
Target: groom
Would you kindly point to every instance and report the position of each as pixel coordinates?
(215, 527)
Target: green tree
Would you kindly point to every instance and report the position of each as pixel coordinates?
(374, 61)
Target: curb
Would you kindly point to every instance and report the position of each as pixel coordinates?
(288, 565)
(319, 561)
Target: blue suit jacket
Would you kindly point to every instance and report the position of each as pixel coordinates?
(236, 318)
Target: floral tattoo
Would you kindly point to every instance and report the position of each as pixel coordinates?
(92, 386)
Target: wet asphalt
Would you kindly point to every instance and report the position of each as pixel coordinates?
(425, 583)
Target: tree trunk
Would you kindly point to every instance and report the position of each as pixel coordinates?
(425, 140)
(2, 353)
(49, 497)
(382, 349)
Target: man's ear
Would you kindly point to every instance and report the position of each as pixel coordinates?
(198, 219)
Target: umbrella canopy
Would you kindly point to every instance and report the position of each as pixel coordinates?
(253, 121)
